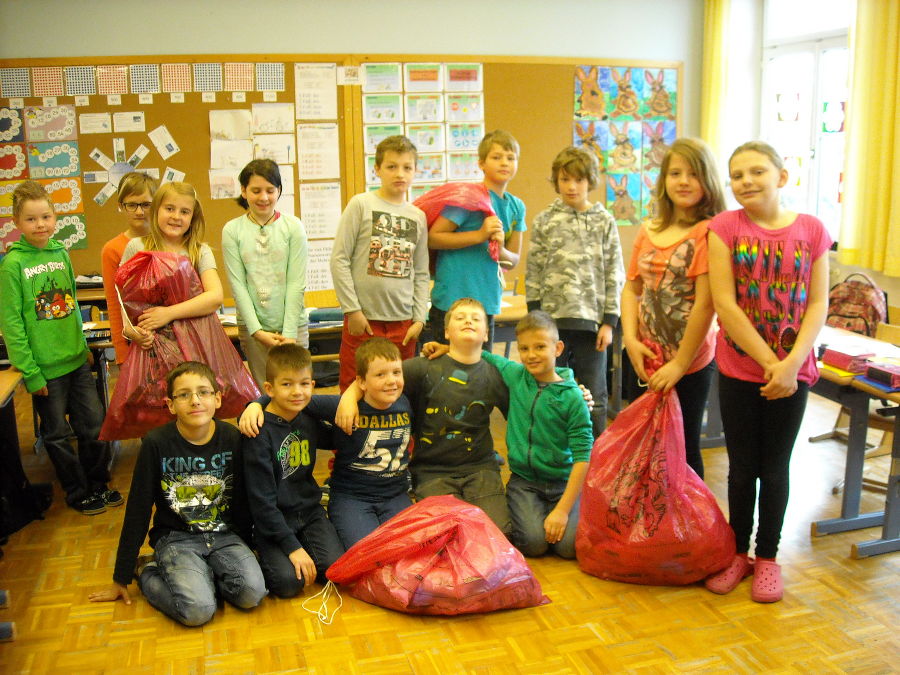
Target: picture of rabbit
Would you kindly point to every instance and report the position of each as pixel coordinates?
(591, 101)
(626, 99)
(623, 207)
(622, 157)
(586, 136)
(655, 145)
(648, 199)
(659, 102)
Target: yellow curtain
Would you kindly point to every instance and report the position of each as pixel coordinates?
(715, 67)
(870, 226)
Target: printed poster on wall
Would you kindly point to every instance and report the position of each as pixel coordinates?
(315, 86)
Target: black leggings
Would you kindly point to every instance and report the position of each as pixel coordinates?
(759, 436)
(693, 391)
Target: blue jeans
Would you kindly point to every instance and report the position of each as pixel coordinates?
(320, 541)
(74, 393)
(581, 355)
(189, 568)
(355, 518)
(529, 505)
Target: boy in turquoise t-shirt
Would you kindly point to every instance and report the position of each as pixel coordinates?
(464, 267)
(41, 324)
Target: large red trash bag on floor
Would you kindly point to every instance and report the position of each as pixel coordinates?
(155, 278)
(439, 556)
(468, 196)
(646, 517)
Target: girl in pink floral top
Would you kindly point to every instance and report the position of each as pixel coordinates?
(666, 305)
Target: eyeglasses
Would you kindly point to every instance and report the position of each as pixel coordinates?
(131, 207)
(187, 396)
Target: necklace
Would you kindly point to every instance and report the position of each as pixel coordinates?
(253, 220)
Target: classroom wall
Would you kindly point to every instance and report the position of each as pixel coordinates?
(637, 29)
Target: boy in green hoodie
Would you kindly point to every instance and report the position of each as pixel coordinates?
(41, 324)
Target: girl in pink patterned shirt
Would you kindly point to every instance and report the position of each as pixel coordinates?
(768, 270)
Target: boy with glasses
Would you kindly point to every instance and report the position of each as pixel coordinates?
(190, 470)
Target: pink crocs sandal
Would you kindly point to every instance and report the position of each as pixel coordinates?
(727, 580)
(767, 585)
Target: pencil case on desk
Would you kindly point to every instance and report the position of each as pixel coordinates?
(854, 363)
(885, 373)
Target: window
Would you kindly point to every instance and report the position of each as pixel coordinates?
(804, 96)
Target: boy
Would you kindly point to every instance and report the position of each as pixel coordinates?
(369, 482)
(575, 273)
(295, 541)
(41, 324)
(190, 470)
(548, 438)
(464, 268)
(452, 398)
(379, 263)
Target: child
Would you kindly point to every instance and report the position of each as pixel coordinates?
(379, 262)
(41, 324)
(548, 438)
(574, 272)
(666, 301)
(265, 258)
(768, 270)
(295, 541)
(464, 268)
(190, 471)
(369, 483)
(182, 326)
(177, 226)
(136, 192)
(452, 398)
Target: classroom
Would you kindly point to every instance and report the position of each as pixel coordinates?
(726, 65)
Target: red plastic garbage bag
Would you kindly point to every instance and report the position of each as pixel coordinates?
(439, 556)
(469, 196)
(646, 517)
(154, 278)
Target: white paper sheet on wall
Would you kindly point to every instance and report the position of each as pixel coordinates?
(320, 208)
(319, 151)
(318, 269)
(315, 87)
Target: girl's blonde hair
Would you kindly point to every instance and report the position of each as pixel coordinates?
(762, 148)
(702, 162)
(26, 191)
(193, 238)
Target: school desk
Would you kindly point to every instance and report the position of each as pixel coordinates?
(9, 435)
(855, 396)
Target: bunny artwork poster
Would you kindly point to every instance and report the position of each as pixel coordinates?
(627, 116)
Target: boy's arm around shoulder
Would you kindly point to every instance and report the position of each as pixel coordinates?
(509, 370)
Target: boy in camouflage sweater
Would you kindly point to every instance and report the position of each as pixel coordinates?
(575, 273)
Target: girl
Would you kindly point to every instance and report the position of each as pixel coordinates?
(174, 303)
(265, 257)
(136, 192)
(666, 300)
(177, 226)
(768, 272)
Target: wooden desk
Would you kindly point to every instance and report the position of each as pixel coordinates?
(9, 433)
(855, 396)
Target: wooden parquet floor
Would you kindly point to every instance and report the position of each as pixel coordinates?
(838, 615)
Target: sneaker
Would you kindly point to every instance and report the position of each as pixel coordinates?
(727, 580)
(767, 584)
(7, 631)
(110, 497)
(89, 506)
(326, 495)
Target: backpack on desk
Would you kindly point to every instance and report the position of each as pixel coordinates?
(856, 305)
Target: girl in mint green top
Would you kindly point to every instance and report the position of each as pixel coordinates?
(265, 258)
